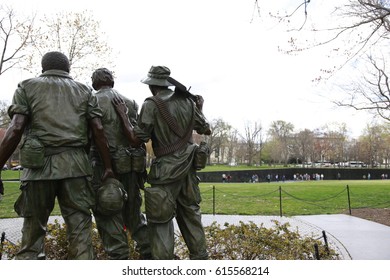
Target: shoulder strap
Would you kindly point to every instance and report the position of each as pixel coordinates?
(167, 116)
(184, 136)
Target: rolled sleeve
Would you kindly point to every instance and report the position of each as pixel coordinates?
(19, 103)
(145, 124)
(94, 110)
(143, 133)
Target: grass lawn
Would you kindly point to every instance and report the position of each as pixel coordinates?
(297, 198)
(10, 174)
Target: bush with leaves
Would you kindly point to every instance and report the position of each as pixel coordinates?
(56, 244)
(246, 241)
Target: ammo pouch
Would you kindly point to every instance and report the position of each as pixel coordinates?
(138, 160)
(32, 153)
(122, 160)
(201, 154)
(159, 205)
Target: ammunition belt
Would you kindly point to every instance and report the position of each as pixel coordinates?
(184, 137)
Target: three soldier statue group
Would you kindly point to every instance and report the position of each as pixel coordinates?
(87, 150)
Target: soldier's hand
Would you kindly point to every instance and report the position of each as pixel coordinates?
(1, 187)
(199, 102)
(108, 173)
(120, 105)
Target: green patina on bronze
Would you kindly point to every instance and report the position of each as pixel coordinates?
(54, 114)
(174, 188)
(129, 165)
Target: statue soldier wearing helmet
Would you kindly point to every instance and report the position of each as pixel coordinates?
(54, 114)
(129, 167)
(168, 119)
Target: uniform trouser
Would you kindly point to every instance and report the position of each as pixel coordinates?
(185, 196)
(110, 227)
(134, 219)
(113, 235)
(75, 198)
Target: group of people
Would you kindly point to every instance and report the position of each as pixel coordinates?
(226, 178)
(87, 150)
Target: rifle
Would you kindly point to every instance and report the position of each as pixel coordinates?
(181, 89)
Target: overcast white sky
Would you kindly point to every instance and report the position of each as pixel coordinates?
(216, 48)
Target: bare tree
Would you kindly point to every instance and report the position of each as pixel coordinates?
(304, 145)
(355, 29)
(4, 119)
(374, 148)
(232, 146)
(272, 152)
(369, 24)
(15, 34)
(363, 22)
(76, 34)
(371, 92)
(253, 140)
(385, 144)
(281, 132)
(343, 32)
(218, 140)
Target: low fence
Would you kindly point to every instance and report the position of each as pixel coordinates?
(281, 202)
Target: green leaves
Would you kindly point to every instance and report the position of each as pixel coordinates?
(246, 241)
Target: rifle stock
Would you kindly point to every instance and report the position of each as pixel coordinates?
(181, 89)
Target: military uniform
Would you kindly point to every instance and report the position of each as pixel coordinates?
(58, 110)
(174, 188)
(111, 227)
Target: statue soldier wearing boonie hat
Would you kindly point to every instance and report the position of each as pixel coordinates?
(168, 119)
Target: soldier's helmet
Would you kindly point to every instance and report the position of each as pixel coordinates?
(55, 61)
(111, 197)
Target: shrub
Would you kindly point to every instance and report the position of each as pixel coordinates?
(56, 244)
(245, 241)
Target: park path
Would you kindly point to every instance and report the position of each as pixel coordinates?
(352, 237)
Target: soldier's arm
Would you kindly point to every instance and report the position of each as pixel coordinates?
(12, 138)
(122, 111)
(100, 141)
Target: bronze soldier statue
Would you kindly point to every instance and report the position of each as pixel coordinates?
(129, 167)
(53, 113)
(168, 120)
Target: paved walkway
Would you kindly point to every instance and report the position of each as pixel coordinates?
(353, 238)
(364, 240)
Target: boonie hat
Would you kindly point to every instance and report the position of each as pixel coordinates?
(157, 76)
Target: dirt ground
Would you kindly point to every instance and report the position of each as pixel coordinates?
(381, 216)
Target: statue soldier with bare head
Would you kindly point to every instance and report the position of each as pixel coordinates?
(129, 167)
(52, 115)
